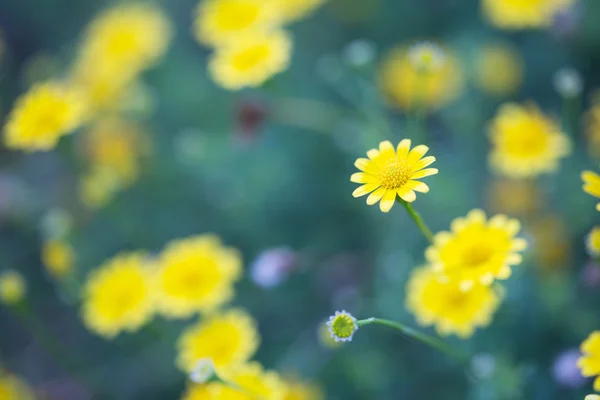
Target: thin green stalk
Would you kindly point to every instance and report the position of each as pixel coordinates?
(416, 217)
(570, 114)
(416, 335)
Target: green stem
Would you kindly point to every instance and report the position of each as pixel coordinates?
(416, 217)
(416, 335)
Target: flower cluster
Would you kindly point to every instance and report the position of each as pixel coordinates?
(523, 14)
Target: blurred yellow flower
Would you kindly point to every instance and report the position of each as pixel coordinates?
(525, 142)
(514, 197)
(592, 397)
(97, 187)
(42, 115)
(12, 287)
(298, 390)
(426, 57)
(592, 125)
(254, 382)
(443, 304)
(591, 184)
(593, 242)
(58, 257)
(196, 274)
(551, 243)
(499, 69)
(225, 21)
(521, 14)
(589, 363)
(390, 172)
(408, 87)
(293, 10)
(118, 296)
(13, 388)
(251, 60)
(477, 250)
(230, 339)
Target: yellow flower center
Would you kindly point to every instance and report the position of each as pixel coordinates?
(477, 254)
(236, 15)
(250, 57)
(395, 175)
(343, 326)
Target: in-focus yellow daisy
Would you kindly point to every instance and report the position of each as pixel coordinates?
(225, 21)
(229, 339)
(298, 390)
(477, 250)
(408, 87)
(522, 14)
(196, 274)
(118, 296)
(593, 242)
(514, 196)
(525, 142)
(58, 257)
(591, 184)
(251, 378)
(13, 388)
(447, 307)
(499, 69)
(251, 60)
(12, 287)
(42, 115)
(293, 10)
(389, 173)
(589, 363)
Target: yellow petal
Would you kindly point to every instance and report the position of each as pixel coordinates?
(417, 186)
(417, 153)
(424, 162)
(403, 148)
(364, 189)
(372, 153)
(504, 273)
(361, 177)
(375, 196)
(406, 194)
(597, 384)
(386, 146)
(423, 173)
(362, 164)
(388, 200)
(598, 207)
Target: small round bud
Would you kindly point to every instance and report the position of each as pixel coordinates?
(426, 57)
(203, 371)
(342, 326)
(12, 287)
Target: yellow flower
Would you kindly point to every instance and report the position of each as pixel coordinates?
(589, 363)
(591, 184)
(592, 125)
(13, 388)
(390, 172)
(408, 87)
(225, 21)
(230, 339)
(426, 57)
(41, 116)
(12, 287)
(593, 242)
(251, 59)
(514, 197)
(525, 142)
(592, 397)
(118, 295)
(477, 250)
(58, 257)
(342, 326)
(447, 307)
(293, 10)
(196, 274)
(251, 378)
(297, 390)
(521, 14)
(499, 69)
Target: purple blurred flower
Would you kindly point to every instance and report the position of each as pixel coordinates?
(565, 371)
(273, 266)
(590, 275)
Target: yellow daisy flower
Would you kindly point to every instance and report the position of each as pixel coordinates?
(589, 363)
(591, 184)
(447, 307)
(58, 257)
(390, 172)
(196, 274)
(118, 296)
(525, 142)
(407, 86)
(225, 21)
(41, 116)
(298, 390)
(521, 14)
(251, 378)
(593, 242)
(499, 69)
(251, 60)
(477, 250)
(12, 287)
(229, 339)
(13, 388)
(294, 10)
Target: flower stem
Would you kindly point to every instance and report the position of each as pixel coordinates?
(416, 217)
(416, 335)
